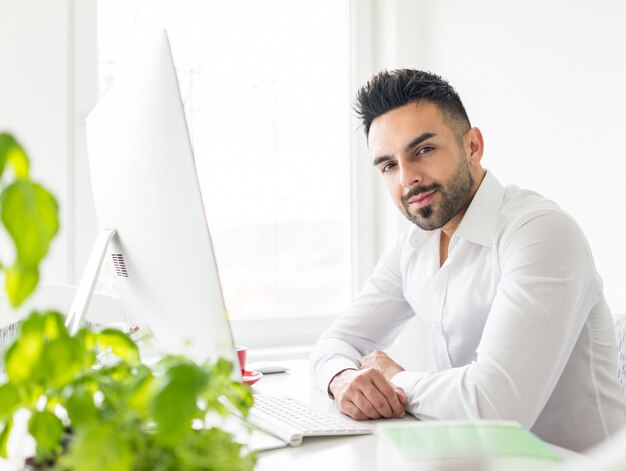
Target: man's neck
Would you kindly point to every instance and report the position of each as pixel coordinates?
(448, 231)
(450, 228)
(444, 242)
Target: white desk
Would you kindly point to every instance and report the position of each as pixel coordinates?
(357, 453)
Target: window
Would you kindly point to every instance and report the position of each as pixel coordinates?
(266, 91)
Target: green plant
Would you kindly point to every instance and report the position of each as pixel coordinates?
(123, 415)
(29, 214)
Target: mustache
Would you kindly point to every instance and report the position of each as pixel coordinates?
(416, 190)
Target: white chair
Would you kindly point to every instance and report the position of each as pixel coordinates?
(609, 455)
(620, 334)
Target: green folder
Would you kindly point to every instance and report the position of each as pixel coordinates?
(437, 440)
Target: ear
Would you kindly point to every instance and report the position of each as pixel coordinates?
(474, 146)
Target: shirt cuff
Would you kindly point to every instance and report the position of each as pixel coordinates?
(331, 368)
(407, 381)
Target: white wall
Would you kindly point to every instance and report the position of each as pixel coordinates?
(46, 88)
(33, 98)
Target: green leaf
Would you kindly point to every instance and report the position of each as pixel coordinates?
(6, 144)
(120, 344)
(142, 395)
(9, 399)
(224, 453)
(20, 283)
(118, 373)
(4, 437)
(34, 324)
(180, 385)
(88, 340)
(240, 396)
(61, 362)
(223, 367)
(102, 447)
(30, 215)
(81, 408)
(54, 325)
(22, 356)
(12, 152)
(23, 359)
(47, 430)
(48, 324)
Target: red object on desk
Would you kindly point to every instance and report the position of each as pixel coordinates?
(251, 377)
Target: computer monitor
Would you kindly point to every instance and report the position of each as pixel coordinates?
(145, 187)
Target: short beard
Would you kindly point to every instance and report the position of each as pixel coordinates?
(453, 196)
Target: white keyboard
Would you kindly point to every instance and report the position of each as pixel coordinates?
(291, 420)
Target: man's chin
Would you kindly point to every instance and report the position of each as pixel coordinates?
(426, 223)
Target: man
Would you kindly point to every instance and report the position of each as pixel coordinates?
(502, 279)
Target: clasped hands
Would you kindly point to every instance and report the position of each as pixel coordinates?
(367, 393)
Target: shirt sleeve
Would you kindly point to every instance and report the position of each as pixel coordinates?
(372, 322)
(547, 288)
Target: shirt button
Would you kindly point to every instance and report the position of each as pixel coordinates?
(437, 325)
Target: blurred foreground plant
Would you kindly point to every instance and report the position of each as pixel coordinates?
(121, 416)
(29, 213)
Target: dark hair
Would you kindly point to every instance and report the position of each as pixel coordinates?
(387, 91)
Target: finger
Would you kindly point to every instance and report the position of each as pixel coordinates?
(346, 403)
(379, 402)
(366, 407)
(390, 394)
(355, 405)
(366, 384)
(381, 394)
(401, 394)
(353, 411)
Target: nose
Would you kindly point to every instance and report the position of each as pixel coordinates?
(408, 174)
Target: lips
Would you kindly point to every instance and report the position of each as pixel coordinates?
(423, 199)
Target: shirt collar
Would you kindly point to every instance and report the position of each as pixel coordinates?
(480, 221)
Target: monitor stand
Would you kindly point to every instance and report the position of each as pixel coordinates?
(78, 310)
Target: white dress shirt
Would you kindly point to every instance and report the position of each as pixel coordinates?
(516, 316)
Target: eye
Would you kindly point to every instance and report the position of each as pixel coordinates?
(425, 150)
(387, 167)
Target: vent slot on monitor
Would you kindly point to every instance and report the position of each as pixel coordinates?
(119, 264)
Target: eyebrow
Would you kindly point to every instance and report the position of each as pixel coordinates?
(411, 145)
